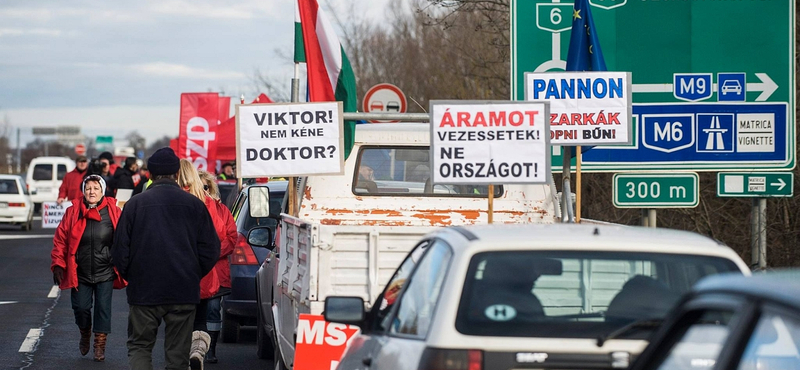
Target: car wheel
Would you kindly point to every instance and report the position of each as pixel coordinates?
(230, 328)
(264, 348)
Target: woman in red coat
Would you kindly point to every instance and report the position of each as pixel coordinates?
(82, 261)
(226, 231)
(189, 180)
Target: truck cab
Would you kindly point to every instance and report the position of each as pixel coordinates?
(351, 231)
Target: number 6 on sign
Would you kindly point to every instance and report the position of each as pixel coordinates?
(555, 17)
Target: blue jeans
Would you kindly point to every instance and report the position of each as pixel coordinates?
(214, 316)
(82, 306)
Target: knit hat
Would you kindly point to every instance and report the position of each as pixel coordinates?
(96, 178)
(108, 156)
(164, 162)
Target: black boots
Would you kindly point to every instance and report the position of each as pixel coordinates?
(211, 355)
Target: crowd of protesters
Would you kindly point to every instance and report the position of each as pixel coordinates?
(168, 246)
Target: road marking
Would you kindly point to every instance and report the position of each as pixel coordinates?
(12, 237)
(53, 292)
(7, 302)
(31, 340)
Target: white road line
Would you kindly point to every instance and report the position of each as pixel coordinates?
(12, 237)
(53, 292)
(7, 302)
(30, 341)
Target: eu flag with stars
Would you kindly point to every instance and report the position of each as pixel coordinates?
(584, 47)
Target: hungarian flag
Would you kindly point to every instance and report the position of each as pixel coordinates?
(330, 77)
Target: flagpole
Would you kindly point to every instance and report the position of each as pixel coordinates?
(293, 180)
(578, 184)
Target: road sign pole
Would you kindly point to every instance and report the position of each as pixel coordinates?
(754, 222)
(762, 233)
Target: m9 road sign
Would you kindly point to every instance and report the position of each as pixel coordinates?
(656, 190)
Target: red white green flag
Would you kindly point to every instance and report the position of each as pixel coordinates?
(330, 77)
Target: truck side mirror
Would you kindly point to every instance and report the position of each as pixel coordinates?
(258, 197)
(260, 237)
(345, 310)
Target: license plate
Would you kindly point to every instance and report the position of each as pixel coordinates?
(3, 204)
(44, 190)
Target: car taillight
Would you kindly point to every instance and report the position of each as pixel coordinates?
(451, 359)
(243, 253)
(16, 204)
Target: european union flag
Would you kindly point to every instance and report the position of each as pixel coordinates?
(584, 48)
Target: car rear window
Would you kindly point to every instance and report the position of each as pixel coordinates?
(8, 186)
(405, 171)
(43, 172)
(62, 170)
(572, 294)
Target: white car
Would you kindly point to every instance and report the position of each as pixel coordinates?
(16, 207)
(45, 175)
(528, 296)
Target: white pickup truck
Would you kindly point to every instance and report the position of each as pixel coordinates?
(353, 230)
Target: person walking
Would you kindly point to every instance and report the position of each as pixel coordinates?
(226, 231)
(164, 245)
(81, 261)
(71, 183)
(189, 180)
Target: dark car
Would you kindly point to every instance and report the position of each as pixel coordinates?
(731, 322)
(239, 308)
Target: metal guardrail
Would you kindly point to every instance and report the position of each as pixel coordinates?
(412, 117)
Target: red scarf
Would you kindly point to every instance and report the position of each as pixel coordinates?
(94, 212)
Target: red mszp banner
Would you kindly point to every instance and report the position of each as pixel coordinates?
(198, 129)
(320, 344)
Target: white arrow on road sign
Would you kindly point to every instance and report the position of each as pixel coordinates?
(767, 86)
(780, 184)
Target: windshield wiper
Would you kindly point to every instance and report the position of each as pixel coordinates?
(646, 323)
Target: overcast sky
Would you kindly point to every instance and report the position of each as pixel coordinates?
(115, 66)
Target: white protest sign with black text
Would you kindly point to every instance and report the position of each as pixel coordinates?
(294, 139)
(489, 142)
(52, 213)
(586, 108)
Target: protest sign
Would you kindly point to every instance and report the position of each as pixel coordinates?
(52, 213)
(296, 139)
(320, 344)
(586, 108)
(487, 142)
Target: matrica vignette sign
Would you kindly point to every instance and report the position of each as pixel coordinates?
(490, 142)
(586, 108)
(294, 139)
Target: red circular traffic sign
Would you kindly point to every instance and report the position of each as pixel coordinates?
(384, 98)
(80, 149)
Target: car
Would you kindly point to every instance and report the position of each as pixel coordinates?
(376, 106)
(16, 206)
(527, 296)
(731, 86)
(731, 322)
(392, 106)
(45, 175)
(240, 307)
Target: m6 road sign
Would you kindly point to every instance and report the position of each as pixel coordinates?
(755, 185)
(656, 190)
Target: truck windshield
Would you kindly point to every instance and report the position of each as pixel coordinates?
(571, 294)
(400, 171)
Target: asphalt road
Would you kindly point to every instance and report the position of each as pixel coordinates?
(29, 303)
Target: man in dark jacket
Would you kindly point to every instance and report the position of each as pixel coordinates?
(125, 177)
(164, 244)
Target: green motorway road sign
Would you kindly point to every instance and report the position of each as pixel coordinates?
(656, 190)
(713, 80)
(755, 185)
